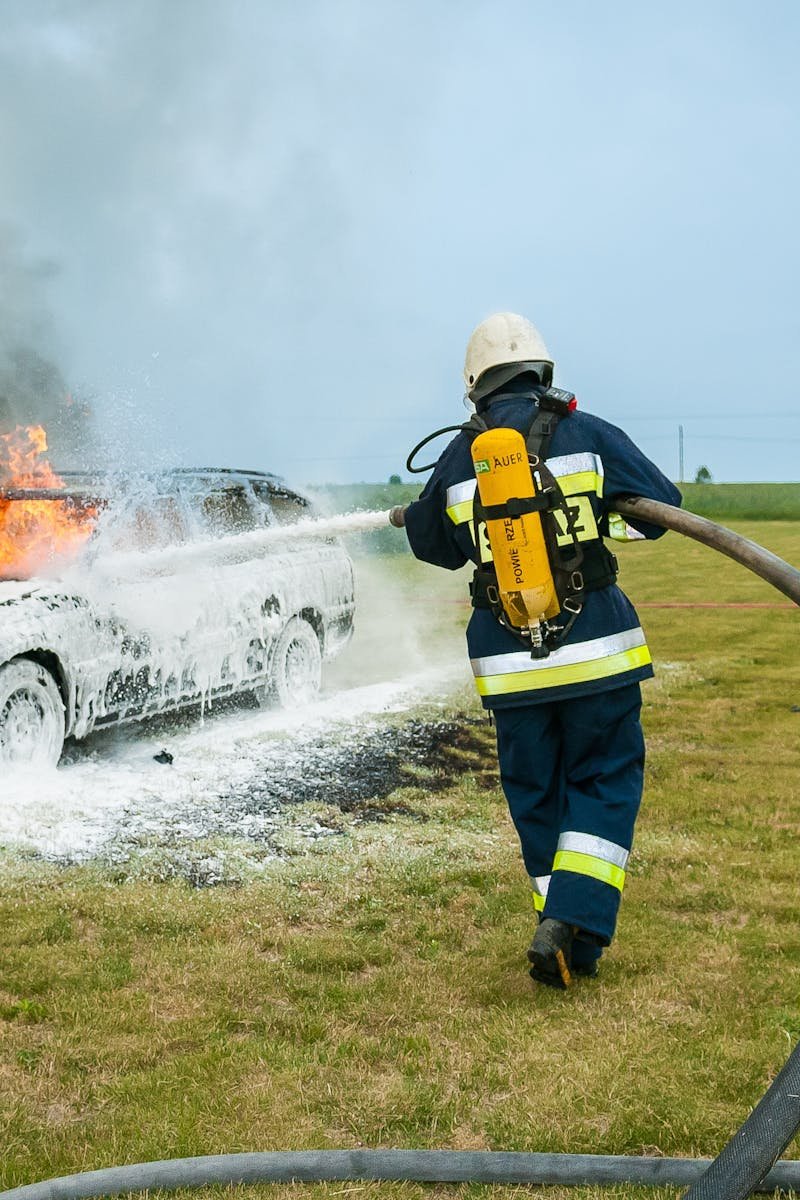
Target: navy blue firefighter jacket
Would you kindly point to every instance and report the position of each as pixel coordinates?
(594, 462)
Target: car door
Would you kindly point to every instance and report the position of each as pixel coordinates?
(243, 616)
(155, 614)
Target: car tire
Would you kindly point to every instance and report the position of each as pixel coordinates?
(295, 672)
(32, 720)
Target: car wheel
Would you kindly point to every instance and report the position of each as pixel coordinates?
(32, 719)
(296, 666)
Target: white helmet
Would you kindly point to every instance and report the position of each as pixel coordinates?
(504, 340)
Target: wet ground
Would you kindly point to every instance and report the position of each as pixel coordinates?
(359, 777)
(211, 800)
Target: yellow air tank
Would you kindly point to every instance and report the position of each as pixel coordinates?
(525, 581)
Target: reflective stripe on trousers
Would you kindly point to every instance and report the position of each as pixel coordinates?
(572, 774)
(539, 886)
(580, 662)
(587, 854)
(584, 854)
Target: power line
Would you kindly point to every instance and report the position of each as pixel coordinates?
(695, 416)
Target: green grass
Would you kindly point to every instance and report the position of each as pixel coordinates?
(743, 501)
(375, 992)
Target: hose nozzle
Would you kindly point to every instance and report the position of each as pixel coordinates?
(397, 515)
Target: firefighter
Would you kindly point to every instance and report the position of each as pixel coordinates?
(567, 717)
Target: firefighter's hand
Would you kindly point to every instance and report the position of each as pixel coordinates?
(397, 515)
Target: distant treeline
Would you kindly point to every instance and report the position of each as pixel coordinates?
(743, 501)
(726, 503)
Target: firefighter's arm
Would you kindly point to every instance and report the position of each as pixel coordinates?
(628, 472)
(430, 532)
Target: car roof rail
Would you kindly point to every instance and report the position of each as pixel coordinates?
(64, 495)
(157, 471)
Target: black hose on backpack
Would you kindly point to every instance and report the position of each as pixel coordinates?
(420, 1166)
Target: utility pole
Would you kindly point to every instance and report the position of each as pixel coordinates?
(680, 454)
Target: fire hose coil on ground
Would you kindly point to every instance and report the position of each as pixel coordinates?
(419, 1166)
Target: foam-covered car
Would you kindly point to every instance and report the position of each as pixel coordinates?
(149, 620)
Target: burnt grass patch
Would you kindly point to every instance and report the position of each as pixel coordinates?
(360, 776)
(295, 790)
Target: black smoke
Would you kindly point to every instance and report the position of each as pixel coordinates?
(33, 386)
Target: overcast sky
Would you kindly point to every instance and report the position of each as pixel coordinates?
(272, 225)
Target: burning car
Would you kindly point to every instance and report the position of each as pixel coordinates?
(173, 589)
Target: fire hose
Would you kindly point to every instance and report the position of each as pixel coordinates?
(764, 563)
(746, 1164)
(418, 1166)
(768, 566)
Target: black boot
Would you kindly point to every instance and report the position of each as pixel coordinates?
(550, 953)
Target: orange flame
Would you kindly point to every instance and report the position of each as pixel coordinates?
(34, 533)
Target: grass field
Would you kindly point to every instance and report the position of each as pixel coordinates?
(373, 990)
(743, 501)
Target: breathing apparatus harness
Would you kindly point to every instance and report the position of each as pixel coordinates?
(577, 567)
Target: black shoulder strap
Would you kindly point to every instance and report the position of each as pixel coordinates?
(551, 406)
(474, 426)
(540, 432)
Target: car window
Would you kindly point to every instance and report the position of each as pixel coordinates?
(146, 524)
(283, 505)
(159, 522)
(226, 510)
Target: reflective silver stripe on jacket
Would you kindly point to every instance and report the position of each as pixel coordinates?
(577, 473)
(597, 847)
(564, 656)
(461, 491)
(460, 501)
(583, 662)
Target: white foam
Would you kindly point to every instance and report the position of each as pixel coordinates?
(115, 795)
(235, 547)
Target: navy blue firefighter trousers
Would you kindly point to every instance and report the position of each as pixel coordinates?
(572, 773)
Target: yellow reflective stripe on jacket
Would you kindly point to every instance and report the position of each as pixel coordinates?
(580, 662)
(578, 472)
(621, 531)
(582, 481)
(616, 664)
(587, 864)
(459, 514)
(584, 526)
(459, 501)
(575, 473)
